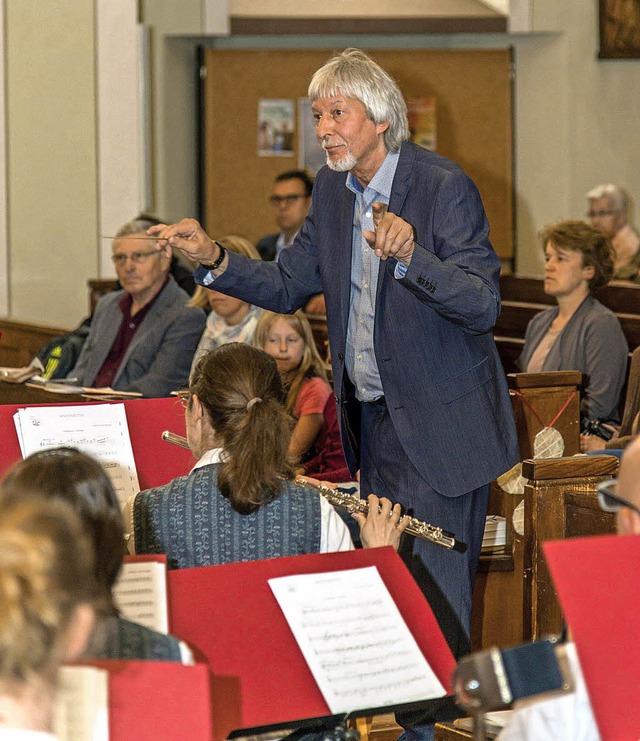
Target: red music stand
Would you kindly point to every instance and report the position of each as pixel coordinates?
(158, 701)
(157, 461)
(260, 678)
(598, 580)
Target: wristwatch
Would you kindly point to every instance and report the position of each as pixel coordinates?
(218, 261)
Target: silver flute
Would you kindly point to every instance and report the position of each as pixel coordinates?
(344, 500)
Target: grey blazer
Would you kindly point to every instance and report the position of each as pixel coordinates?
(591, 342)
(159, 357)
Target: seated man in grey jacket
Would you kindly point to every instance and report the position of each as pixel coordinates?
(143, 337)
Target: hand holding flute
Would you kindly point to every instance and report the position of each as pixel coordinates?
(382, 525)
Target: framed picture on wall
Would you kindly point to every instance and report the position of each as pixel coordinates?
(619, 29)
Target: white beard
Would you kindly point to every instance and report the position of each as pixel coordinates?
(348, 162)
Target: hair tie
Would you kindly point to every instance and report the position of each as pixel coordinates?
(253, 402)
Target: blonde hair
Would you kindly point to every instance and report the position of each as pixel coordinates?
(232, 243)
(311, 364)
(46, 571)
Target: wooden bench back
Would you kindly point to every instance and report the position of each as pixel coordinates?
(523, 297)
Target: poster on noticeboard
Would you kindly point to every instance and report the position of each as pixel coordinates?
(276, 127)
(422, 121)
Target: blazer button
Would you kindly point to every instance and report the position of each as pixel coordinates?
(341, 357)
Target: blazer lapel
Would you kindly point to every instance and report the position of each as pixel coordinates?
(345, 238)
(108, 331)
(402, 178)
(154, 315)
(399, 192)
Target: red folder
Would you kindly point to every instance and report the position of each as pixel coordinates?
(158, 701)
(598, 581)
(260, 677)
(157, 461)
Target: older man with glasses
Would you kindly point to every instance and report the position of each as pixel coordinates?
(570, 716)
(608, 211)
(143, 337)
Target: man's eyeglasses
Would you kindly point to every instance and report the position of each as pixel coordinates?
(277, 200)
(120, 258)
(600, 214)
(610, 501)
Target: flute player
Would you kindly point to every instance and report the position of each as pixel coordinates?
(240, 503)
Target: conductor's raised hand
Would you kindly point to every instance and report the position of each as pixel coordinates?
(189, 236)
(392, 236)
(382, 525)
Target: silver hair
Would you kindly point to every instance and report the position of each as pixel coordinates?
(137, 225)
(354, 74)
(616, 196)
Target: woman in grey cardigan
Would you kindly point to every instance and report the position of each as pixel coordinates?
(579, 333)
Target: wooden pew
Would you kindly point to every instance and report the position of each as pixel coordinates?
(98, 288)
(516, 315)
(523, 297)
(620, 296)
(21, 341)
(520, 604)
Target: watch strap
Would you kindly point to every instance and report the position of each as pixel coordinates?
(218, 261)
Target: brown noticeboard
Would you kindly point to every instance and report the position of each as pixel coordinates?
(473, 92)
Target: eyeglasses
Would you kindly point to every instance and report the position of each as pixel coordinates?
(610, 501)
(290, 199)
(184, 397)
(120, 258)
(601, 214)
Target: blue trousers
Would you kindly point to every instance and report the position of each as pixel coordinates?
(446, 577)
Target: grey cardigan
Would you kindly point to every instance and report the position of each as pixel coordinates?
(159, 357)
(592, 342)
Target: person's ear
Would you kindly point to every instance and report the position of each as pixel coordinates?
(627, 521)
(197, 410)
(79, 631)
(589, 272)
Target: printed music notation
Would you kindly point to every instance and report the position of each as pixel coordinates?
(354, 639)
(141, 594)
(100, 430)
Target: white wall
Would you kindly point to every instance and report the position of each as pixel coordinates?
(4, 252)
(51, 158)
(121, 143)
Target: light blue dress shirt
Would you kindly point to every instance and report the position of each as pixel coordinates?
(360, 358)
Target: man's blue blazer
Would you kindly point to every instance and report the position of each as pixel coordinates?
(442, 378)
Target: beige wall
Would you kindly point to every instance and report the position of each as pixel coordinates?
(575, 121)
(51, 158)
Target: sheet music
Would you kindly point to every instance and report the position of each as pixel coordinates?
(101, 430)
(82, 707)
(141, 594)
(354, 639)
